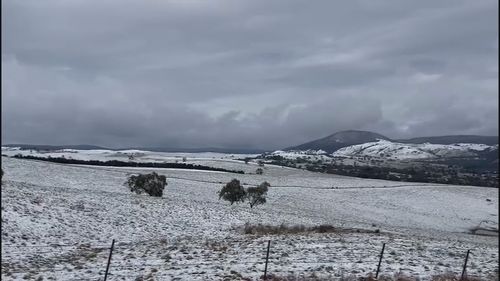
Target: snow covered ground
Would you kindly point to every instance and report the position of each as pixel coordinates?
(394, 150)
(384, 150)
(58, 222)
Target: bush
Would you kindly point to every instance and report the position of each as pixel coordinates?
(232, 192)
(324, 228)
(257, 195)
(152, 184)
(259, 171)
(262, 229)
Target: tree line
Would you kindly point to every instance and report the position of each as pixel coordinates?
(117, 163)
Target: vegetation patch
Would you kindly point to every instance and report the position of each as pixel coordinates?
(233, 192)
(152, 184)
(263, 229)
(116, 163)
(484, 231)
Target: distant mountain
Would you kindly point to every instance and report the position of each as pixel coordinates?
(489, 140)
(339, 140)
(343, 139)
(401, 151)
(157, 149)
(206, 149)
(55, 147)
(461, 159)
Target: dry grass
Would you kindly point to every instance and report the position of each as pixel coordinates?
(370, 277)
(311, 277)
(261, 229)
(453, 277)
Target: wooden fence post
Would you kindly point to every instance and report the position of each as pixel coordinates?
(267, 258)
(109, 259)
(380, 260)
(465, 265)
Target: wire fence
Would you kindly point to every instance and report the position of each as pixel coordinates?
(222, 257)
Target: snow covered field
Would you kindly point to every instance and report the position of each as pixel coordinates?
(58, 222)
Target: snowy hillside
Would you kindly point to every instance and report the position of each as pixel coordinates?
(129, 154)
(58, 222)
(338, 140)
(391, 150)
(295, 154)
(394, 150)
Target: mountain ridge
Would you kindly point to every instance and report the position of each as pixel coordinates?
(329, 144)
(155, 149)
(338, 140)
(451, 139)
(341, 139)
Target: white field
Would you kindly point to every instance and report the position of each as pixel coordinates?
(190, 235)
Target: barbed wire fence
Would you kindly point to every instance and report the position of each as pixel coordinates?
(261, 257)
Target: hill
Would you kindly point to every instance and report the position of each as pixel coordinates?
(55, 147)
(488, 140)
(203, 149)
(155, 149)
(461, 159)
(339, 140)
(343, 139)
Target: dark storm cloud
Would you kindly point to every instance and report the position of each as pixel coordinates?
(264, 74)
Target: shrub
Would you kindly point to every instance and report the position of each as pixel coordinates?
(264, 229)
(259, 171)
(232, 192)
(257, 195)
(324, 228)
(152, 184)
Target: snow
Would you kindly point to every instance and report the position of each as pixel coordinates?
(394, 150)
(390, 151)
(219, 160)
(190, 235)
(7, 148)
(312, 155)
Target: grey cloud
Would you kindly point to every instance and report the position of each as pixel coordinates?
(264, 74)
(427, 65)
(331, 76)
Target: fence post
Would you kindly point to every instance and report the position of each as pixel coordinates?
(380, 261)
(267, 259)
(109, 259)
(465, 265)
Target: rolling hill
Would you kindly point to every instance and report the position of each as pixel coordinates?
(343, 139)
(339, 140)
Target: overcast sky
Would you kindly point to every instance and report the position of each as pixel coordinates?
(246, 74)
